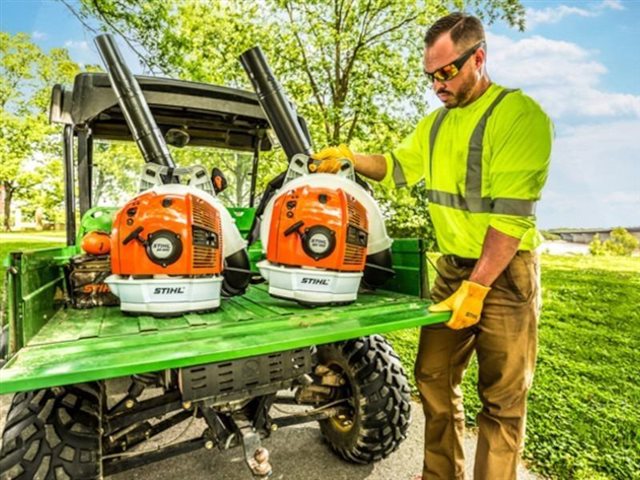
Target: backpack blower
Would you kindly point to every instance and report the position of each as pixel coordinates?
(174, 247)
(322, 234)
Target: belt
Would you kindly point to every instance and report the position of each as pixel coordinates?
(461, 262)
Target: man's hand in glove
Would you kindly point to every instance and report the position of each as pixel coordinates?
(328, 160)
(465, 304)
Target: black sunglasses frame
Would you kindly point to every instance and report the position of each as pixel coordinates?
(458, 63)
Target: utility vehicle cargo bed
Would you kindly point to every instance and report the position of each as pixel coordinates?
(99, 343)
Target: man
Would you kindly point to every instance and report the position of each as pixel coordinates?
(484, 157)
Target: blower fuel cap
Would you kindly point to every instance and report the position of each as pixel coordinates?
(318, 242)
(164, 247)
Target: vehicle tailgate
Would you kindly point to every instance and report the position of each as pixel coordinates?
(100, 343)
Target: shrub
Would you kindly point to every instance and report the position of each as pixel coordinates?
(596, 247)
(621, 243)
(550, 235)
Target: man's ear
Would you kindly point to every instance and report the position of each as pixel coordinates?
(480, 57)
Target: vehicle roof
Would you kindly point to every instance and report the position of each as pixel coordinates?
(212, 115)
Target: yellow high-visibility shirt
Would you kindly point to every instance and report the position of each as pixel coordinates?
(487, 166)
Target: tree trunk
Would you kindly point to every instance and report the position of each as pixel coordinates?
(8, 194)
(100, 182)
(239, 179)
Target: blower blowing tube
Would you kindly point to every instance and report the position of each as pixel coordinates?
(134, 106)
(290, 129)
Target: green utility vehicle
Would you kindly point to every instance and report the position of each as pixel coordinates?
(71, 417)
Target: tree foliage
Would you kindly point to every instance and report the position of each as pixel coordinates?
(353, 68)
(28, 144)
(620, 243)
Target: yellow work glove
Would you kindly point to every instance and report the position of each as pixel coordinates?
(465, 304)
(329, 159)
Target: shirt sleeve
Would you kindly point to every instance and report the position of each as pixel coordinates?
(405, 164)
(518, 171)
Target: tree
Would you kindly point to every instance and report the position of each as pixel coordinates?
(596, 247)
(620, 243)
(28, 143)
(353, 68)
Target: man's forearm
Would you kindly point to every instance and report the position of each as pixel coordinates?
(371, 166)
(497, 251)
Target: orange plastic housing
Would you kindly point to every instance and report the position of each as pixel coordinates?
(184, 218)
(331, 208)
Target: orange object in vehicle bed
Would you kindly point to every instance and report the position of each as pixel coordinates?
(171, 234)
(96, 243)
(318, 227)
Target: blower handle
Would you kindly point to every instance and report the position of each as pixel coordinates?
(135, 235)
(295, 228)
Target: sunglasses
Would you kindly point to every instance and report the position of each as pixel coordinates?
(449, 72)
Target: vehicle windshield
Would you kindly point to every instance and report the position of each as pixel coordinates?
(117, 167)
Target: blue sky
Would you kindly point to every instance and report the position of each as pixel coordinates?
(579, 59)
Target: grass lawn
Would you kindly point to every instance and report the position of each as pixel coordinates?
(584, 407)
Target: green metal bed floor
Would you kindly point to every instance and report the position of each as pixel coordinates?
(100, 343)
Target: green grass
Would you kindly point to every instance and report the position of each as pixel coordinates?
(584, 407)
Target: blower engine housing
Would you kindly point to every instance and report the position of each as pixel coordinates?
(319, 227)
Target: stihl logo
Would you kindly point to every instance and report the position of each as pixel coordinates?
(315, 281)
(168, 290)
(96, 288)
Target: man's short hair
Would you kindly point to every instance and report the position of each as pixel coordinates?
(465, 30)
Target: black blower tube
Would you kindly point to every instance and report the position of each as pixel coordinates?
(136, 111)
(277, 107)
(236, 274)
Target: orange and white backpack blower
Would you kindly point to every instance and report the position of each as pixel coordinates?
(170, 245)
(322, 234)
(174, 247)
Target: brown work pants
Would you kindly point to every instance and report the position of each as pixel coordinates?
(505, 341)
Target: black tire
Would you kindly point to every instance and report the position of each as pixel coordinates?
(379, 397)
(53, 434)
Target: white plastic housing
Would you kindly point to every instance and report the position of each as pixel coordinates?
(378, 238)
(310, 285)
(165, 295)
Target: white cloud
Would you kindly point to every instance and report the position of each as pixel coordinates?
(81, 45)
(612, 4)
(594, 180)
(562, 76)
(535, 17)
(36, 35)
(623, 197)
